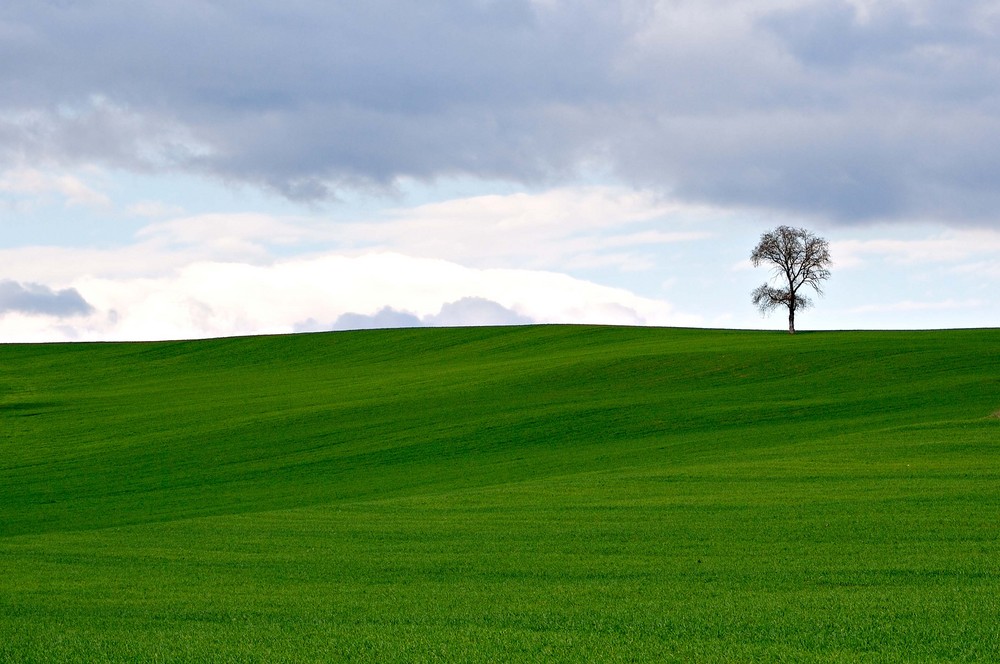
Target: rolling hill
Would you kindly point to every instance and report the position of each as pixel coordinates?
(536, 493)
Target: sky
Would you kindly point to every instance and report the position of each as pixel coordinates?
(187, 169)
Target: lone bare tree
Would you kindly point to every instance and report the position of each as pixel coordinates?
(798, 258)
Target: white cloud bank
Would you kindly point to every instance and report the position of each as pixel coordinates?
(209, 299)
(497, 259)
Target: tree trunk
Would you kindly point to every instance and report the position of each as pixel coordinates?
(791, 320)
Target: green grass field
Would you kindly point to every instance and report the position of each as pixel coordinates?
(540, 493)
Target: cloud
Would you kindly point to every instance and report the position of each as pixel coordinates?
(468, 311)
(165, 246)
(209, 299)
(38, 299)
(475, 311)
(303, 96)
(839, 35)
(955, 246)
(245, 273)
(384, 318)
(851, 111)
(234, 236)
(553, 229)
(29, 183)
(564, 229)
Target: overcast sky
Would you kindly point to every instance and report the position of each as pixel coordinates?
(201, 168)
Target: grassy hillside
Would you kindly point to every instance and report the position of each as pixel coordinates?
(527, 493)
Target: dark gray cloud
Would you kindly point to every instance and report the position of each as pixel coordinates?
(837, 34)
(40, 299)
(817, 109)
(832, 34)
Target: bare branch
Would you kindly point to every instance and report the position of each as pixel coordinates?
(798, 258)
(766, 298)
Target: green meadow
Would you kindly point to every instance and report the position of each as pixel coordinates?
(537, 493)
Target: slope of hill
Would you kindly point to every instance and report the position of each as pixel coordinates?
(529, 493)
